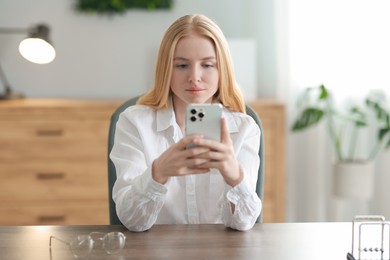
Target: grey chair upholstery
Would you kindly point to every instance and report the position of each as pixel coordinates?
(114, 220)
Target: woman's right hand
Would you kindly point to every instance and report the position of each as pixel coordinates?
(178, 160)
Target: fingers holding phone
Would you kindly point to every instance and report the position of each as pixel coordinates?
(178, 160)
(207, 120)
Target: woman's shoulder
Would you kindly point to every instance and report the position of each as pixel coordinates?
(238, 120)
(239, 117)
(138, 112)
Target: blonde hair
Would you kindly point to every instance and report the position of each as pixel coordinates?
(228, 93)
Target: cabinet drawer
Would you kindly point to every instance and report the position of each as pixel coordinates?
(53, 181)
(42, 140)
(70, 213)
(38, 130)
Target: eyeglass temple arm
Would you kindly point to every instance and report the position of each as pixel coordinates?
(59, 239)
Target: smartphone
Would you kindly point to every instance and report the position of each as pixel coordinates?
(204, 119)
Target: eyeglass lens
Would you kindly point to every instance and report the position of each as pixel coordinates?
(113, 242)
(82, 245)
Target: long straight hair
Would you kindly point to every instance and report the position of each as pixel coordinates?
(228, 93)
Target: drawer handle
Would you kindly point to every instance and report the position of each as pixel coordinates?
(50, 175)
(54, 218)
(46, 132)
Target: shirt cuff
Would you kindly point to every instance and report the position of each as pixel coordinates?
(241, 190)
(150, 188)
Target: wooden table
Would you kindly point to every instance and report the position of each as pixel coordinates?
(295, 241)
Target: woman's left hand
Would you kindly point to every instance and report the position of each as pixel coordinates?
(221, 156)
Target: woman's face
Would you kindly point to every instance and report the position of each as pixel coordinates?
(194, 73)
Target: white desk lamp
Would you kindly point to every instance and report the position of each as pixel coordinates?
(35, 48)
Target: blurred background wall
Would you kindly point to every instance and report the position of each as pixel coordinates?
(101, 56)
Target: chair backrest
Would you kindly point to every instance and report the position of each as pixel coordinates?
(114, 220)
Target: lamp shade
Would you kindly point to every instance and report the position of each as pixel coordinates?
(37, 48)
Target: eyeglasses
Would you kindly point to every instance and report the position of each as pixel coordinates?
(82, 245)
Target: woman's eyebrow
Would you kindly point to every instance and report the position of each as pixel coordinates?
(180, 58)
(209, 58)
(184, 59)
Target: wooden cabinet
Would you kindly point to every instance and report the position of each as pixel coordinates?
(272, 115)
(53, 161)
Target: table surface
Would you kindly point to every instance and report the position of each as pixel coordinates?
(271, 241)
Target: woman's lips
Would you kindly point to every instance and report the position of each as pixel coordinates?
(195, 89)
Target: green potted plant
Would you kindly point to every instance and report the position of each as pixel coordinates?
(344, 126)
(120, 6)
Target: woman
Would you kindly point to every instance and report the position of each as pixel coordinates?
(159, 180)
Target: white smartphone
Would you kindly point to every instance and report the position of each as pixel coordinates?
(204, 119)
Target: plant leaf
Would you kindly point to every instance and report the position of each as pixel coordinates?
(324, 94)
(309, 117)
(358, 117)
(381, 113)
(382, 133)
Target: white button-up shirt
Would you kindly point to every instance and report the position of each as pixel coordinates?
(142, 134)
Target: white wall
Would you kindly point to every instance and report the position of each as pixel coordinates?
(350, 55)
(110, 57)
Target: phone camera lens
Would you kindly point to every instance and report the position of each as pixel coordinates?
(193, 118)
(193, 111)
(201, 115)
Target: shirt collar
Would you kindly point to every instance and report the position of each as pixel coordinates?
(230, 120)
(165, 118)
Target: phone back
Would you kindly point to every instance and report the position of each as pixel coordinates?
(204, 119)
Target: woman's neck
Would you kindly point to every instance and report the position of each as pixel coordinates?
(180, 113)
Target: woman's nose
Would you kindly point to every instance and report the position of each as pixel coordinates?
(195, 74)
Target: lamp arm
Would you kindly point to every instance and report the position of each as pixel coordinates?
(4, 81)
(13, 30)
(3, 78)
(8, 93)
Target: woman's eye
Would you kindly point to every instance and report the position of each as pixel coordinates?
(181, 66)
(207, 65)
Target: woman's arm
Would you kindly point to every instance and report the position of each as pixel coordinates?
(237, 160)
(247, 204)
(137, 196)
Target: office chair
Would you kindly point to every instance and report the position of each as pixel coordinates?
(114, 220)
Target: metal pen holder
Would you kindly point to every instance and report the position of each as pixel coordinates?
(370, 238)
